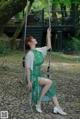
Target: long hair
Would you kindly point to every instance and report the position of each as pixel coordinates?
(27, 40)
(27, 47)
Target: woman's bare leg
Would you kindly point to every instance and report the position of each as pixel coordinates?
(57, 108)
(55, 100)
(46, 83)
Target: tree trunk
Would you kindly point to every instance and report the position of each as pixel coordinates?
(74, 12)
(18, 30)
(75, 17)
(63, 12)
(9, 9)
(54, 16)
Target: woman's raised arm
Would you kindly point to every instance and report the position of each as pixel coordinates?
(48, 39)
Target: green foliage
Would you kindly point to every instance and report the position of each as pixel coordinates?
(4, 47)
(37, 5)
(74, 44)
(19, 16)
(40, 4)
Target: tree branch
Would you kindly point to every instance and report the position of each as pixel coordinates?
(10, 8)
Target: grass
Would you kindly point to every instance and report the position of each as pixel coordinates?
(60, 57)
(59, 61)
(65, 69)
(15, 58)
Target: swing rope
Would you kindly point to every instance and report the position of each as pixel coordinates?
(49, 62)
(49, 10)
(25, 32)
(25, 27)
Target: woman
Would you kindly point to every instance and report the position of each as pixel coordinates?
(33, 61)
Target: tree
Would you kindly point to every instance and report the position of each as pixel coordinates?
(18, 30)
(9, 8)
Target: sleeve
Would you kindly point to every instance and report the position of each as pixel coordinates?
(29, 59)
(43, 50)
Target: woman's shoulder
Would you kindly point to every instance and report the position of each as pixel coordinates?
(41, 48)
(29, 54)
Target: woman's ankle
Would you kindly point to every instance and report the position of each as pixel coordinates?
(57, 105)
(39, 103)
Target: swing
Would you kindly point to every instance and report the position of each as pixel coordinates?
(45, 98)
(25, 31)
(23, 59)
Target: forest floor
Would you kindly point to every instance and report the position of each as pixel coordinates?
(15, 98)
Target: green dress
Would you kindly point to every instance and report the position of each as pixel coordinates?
(35, 74)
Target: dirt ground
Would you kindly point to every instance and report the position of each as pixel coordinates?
(15, 98)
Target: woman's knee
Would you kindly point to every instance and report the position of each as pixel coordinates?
(48, 82)
(45, 81)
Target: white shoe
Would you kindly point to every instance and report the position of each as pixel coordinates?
(38, 108)
(59, 111)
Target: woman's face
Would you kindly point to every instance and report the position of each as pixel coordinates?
(33, 43)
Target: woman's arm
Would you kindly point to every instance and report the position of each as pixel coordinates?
(48, 39)
(28, 78)
(28, 74)
(28, 67)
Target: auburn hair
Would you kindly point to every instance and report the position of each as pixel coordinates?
(27, 40)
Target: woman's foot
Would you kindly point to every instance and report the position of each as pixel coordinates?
(58, 110)
(38, 108)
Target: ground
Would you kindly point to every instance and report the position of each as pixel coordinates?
(15, 98)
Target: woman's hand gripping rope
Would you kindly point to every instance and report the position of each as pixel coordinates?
(29, 85)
